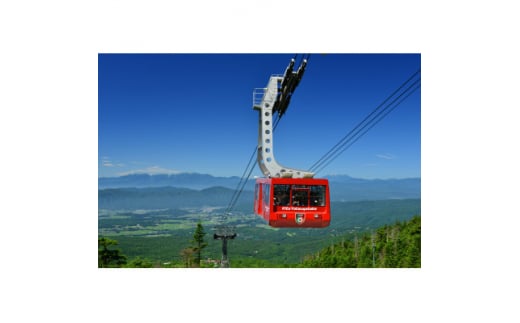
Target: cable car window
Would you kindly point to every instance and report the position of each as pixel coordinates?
(318, 195)
(300, 195)
(257, 196)
(266, 192)
(282, 194)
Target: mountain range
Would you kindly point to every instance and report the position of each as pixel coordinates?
(194, 181)
(185, 189)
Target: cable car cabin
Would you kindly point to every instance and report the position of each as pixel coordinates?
(293, 202)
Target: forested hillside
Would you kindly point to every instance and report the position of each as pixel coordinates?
(161, 235)
(391, 246)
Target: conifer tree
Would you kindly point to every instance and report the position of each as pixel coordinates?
(109, 257)
(198, 239)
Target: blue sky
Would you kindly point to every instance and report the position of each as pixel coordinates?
(168, 113)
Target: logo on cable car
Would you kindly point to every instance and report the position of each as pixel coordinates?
(293, 208)
(299, 218)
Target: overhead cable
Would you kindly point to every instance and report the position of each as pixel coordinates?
(370, 121)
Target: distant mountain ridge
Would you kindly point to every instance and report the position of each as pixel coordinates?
(166, 197)
(194, 181)
(345, 188)
(342, 187)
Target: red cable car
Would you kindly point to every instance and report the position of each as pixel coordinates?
(293, 202)
(286, 197)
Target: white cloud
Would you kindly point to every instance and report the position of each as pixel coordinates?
(385, 156)
(107, 162)
(153, 170)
